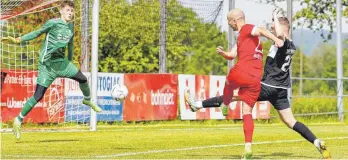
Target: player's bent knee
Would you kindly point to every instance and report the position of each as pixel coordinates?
(247, 109)
(287, 117)
(79, 77)
(289, 123)
(84, 79)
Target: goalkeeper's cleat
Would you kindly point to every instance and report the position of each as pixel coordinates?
(17, 128)
(224, 109)
(322, 148)
(247, 153)
(92, 105)
(190, 100)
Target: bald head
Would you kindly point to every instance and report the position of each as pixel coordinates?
(236, 19)
(235, 14)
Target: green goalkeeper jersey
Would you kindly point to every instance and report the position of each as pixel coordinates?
(59, 34)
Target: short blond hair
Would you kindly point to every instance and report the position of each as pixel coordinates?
(284, 21)
(67, 3)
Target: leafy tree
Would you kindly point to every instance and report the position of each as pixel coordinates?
(317, 13)
(129, 39)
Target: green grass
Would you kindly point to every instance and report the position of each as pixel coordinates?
(175, 141)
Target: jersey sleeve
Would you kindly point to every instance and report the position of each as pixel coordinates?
(288, 47)
(71, 44)
(248, 30)
(44, 29)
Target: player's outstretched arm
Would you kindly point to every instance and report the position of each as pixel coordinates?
(34, 34)
(277, 27)
(263, 32)
(227, 55)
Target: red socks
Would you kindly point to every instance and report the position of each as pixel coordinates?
(248, 125)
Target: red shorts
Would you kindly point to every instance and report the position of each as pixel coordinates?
(249, 87)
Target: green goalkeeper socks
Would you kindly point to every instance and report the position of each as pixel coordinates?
(85, 90)
(27, 108)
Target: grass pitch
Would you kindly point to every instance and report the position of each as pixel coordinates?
(174, 141)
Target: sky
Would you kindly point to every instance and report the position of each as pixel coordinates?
(256, 13)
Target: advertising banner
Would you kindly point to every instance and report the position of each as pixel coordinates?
(76, 111)
(19, 85)
(151, 97)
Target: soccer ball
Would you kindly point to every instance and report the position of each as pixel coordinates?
(119, 92)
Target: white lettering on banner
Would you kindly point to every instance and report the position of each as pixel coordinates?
(106, 83)
(72, 85)
(132, 97)
(165, 99)
(74, 102)
(78, 102)
(12, 103)
(87, 112)
(139, 97)
(19, 79)
(11, 80)
(108, 102)
(28, 80)
(55, 102)
(84, 113)
(34, 80)
(144, 98)
(112, 112)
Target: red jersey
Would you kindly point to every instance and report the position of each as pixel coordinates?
(249, 51)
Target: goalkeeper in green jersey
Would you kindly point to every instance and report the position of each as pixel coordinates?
(52, 62)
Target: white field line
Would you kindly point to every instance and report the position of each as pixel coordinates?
(207, 147)
(165, 150)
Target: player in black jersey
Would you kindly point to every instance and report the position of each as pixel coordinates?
(274, 85)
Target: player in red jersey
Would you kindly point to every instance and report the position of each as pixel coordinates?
(247, 73)
(274, 85)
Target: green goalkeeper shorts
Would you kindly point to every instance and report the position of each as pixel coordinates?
(48, 72)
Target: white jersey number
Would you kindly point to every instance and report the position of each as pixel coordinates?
(286, 64)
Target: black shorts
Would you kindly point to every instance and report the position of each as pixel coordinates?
(278, 97)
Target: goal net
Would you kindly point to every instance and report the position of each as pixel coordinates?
(19, 64)
(129, 42)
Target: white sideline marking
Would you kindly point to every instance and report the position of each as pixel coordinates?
(169, 150)
(206, 147)
(9, 131)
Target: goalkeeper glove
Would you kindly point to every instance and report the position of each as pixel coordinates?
(11, 39)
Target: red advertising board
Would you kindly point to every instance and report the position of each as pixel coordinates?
(202, 93)
(150, 97)
(19, 85)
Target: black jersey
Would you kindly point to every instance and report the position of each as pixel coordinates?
(276, 73)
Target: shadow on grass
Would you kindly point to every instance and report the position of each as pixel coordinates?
(274, 155)
(59, 140)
